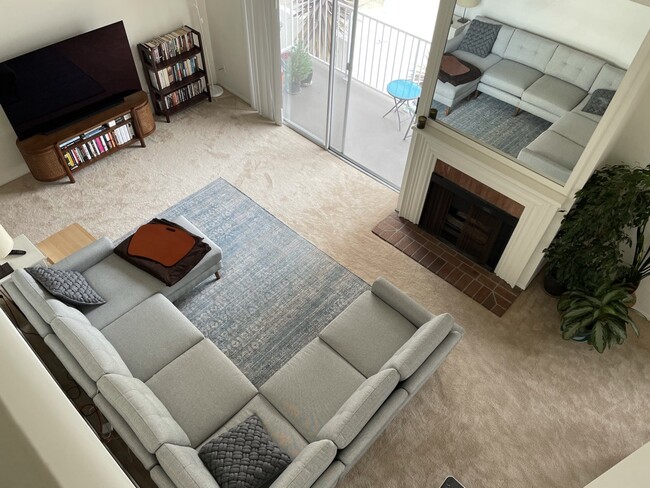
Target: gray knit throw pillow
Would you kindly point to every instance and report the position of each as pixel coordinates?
(244, 457)
(480, 38)
(599, 101)
(69, 286)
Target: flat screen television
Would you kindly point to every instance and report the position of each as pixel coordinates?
(54, 86)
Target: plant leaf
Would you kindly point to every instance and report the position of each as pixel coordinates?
(597, 338)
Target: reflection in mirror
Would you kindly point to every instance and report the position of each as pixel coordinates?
(532, 79)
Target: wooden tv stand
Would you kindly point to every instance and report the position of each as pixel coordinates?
(45, 154)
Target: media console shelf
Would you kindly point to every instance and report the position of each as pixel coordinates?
(58, 154)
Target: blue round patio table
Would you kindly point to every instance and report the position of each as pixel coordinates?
(402, 91)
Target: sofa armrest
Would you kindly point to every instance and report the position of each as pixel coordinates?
(88, 256)
(312, 461)
(454, 42)
(401, 302)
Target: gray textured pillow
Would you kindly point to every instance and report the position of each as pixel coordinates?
(599, 101)
(244, 457)
(69, 286)
(480, 38)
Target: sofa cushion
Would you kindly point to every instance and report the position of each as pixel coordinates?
(367, 333)
(94, 353)
(311, 387)
(280, 430)
(419, 347)
(66, 285)
(530, 50)
(245, 456)
(511, 77)
(202, 389)
(184, 467)
(553, 95)
(142, 410)
(355, 413)
(71, 365)
(151, 335)
(122, 285)
(481, 63)
(43, 302)
(551, 155)
(574, 67)
(575, 127)
(479, 38)
(312, 461)
(598, 101)
(609, 78)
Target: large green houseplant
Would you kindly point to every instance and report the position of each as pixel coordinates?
(587, 250)
(586, 256)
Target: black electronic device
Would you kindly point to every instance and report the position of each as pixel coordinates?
(451, 482)
(57, 85)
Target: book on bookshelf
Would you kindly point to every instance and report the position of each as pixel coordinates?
(169, 45)
(175, 73)
(183, 94)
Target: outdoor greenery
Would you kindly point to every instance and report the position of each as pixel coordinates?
(297, 66)
(587, 251)
(602, 316)
(315, 24)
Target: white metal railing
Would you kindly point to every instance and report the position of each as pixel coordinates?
(382, 52)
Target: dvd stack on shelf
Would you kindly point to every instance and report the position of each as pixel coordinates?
(97, 141)
(177, 75)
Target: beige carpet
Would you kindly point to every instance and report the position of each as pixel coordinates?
(513, 406)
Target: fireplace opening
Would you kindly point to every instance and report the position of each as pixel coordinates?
(475, 227)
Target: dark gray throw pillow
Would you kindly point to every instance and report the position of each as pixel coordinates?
(69, 286)
(599, 101)
(244, 457)
(479, 38)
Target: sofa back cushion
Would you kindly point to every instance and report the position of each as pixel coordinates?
(355, 413)
(505, 33)
(419, 347)
(609, 78)
(574, 67)
(307, 467)
(530, 50)
(88, 345)
(184, 467)
(43, 302)
(143, 411)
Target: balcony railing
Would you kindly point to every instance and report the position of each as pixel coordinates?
(382, 52)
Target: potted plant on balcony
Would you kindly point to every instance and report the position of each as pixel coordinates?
(599, 318)
(587, 250)
(301, 56)
(297, 67)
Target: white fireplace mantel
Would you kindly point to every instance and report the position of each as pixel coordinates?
(542, 204)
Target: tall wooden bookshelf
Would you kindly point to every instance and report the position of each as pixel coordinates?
(175, 69)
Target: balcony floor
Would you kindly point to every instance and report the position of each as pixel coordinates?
(370, 140)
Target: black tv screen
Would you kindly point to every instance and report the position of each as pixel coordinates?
(57, 85)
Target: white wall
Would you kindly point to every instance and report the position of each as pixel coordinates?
(230, 46)
(64, 448)
(610, 29)
(30, 25)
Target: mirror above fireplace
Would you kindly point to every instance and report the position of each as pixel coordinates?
(532, 80)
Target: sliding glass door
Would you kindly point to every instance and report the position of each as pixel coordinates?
(352, 78)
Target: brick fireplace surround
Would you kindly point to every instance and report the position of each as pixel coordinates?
(473, 280)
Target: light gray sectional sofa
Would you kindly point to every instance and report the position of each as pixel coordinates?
(167, 390)
(542, 77)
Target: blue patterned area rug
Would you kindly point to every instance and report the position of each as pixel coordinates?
(277, 290)
(491, 121)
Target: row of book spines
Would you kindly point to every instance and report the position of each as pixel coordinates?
(169, 45)
(89, 134)
(175, 73)
(184, 94)
(97, 146)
